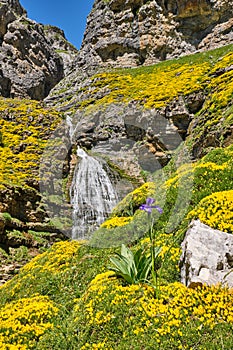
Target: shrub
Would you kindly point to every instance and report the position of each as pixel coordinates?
(216, 211)
(134, 199)
(181, 319)
(116, 221)
(24, 321)
(25, 127)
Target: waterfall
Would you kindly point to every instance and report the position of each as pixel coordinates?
(92, 195)
(70, 126)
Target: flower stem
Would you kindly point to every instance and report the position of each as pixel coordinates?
(153, 270)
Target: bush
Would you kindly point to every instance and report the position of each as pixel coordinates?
(216, 211)
(124, 317)
(24, 321)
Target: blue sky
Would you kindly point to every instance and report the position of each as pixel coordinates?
(69, 15)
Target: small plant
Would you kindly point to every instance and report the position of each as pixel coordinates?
(135, 267)
(148, 206)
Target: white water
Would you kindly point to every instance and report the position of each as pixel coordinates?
(71, 127)
(92, 195)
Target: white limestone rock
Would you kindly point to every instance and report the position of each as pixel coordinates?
(207, 256)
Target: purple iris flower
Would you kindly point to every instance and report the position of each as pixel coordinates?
(148, 206)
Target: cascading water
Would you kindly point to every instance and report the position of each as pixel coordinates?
(92, 195)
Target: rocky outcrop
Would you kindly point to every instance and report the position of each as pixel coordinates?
(9, 11)
(30, 65)
(129, 33)
(207, 256)
(19, 243)
(131, 137)
(22, 203)
(62, 47)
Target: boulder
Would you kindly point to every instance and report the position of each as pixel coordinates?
(207, 256)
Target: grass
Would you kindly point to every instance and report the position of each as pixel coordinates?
(92, 309)
(66, 298)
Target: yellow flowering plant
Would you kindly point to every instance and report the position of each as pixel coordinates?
(216, 210)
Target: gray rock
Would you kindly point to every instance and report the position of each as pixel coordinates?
(207, 256)
(131, 137)
(129, 33)
(33, 57)
(62, 47)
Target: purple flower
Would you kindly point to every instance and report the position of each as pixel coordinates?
(148, 206)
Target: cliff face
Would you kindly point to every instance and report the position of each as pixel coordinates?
(62, 47)
(34, 58)
(140, 33)
(133, 32)
(30, 65)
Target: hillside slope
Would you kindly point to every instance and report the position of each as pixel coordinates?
(166, 126)
(190, 96)
(134, 118)
(74, 301)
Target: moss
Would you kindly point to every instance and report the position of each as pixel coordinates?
(6, 217)
(122, 173)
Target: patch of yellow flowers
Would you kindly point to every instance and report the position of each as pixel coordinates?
(116, 221)
(140, 313)
(134, 199)
(23, 125)
(216, 211)
(56, 260)
(24, 321)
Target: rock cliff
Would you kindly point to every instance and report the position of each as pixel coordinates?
(141, 33)
(62, 47)
(129, 33)
(30, 65)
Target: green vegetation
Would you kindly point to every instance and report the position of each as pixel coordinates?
(135, 267)
(66, 298)
(90, 308)
(25, 127)
(177, 191)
